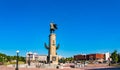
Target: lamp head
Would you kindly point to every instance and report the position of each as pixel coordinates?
(17, 51)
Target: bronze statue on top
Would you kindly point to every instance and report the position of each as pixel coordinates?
(53, 27)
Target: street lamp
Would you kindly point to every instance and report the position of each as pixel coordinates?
(84, 55)
(29, 53)
(85, 60)
(17, 59)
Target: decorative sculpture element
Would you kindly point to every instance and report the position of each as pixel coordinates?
(49, 47)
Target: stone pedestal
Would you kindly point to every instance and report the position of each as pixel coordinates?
(54, 59)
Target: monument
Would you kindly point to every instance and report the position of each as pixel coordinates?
(52, 54)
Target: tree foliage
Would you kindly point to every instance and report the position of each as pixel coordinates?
(62, 60)
(114, 56)
(68, 59)
(5, 58)
(2, 57)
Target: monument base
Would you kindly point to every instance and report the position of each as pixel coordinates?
(54, 59)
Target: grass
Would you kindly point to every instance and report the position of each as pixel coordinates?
(8, 63)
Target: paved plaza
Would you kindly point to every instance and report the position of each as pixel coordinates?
(89, 67)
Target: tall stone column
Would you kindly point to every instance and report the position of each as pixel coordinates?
(52, 55)
(52, 40)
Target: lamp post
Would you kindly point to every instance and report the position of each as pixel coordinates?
(17, 60)
(29, 53)
(84, 59)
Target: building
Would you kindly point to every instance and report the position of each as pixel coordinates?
(98, 57)
(34, 57)
(31, 56)
(95, 56)
(107, 56)
(79, 57)
(42, 58)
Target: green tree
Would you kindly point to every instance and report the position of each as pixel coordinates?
(62, 60)
(22, 59)
(69, 59)
(114, 56)
(5, 58)
(9, 58)
(1, 59)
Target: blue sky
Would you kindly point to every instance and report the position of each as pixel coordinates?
(84, 26)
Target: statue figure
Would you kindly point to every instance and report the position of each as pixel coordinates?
(53, 27)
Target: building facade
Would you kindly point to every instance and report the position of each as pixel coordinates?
(107, 56)
(42, 58)
(31, 56)
(98, 57)
(34, 57)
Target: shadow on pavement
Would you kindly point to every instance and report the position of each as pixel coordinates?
(118, 68)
